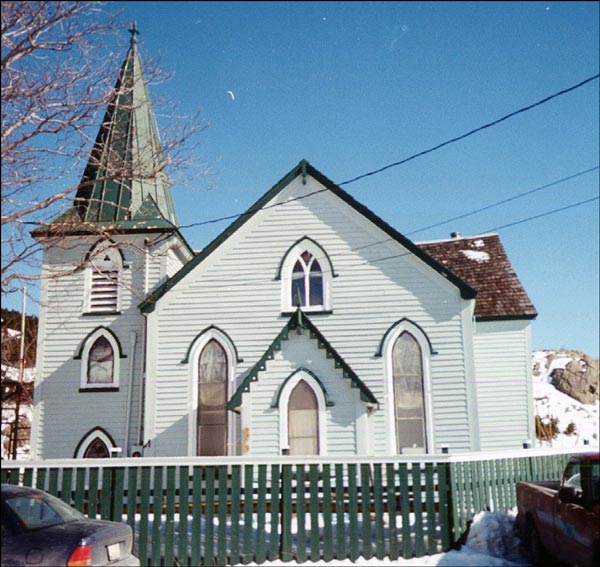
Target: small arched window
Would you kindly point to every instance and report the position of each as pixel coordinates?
(307, 282)
(95, 444)
(303, 421)
(212, 397)
(306, 274)
(100, 354)
(105, 265)
(97, 449)
(409, 396)
(101, 362)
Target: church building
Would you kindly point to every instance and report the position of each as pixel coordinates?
(309, 326)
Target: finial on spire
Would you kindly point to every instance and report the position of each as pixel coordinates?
(133, 30)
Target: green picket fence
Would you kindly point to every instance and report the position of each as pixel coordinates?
(206, 511)
(478, 485)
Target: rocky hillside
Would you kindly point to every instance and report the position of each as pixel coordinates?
(566, 397)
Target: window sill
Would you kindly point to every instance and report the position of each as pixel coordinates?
(307, 312)
(100, 313)
(92, 390)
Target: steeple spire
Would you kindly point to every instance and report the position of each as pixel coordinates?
(125, 179)
(133, 31)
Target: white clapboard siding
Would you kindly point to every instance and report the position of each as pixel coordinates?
(503, 370)
(235, 288)
(63, 327)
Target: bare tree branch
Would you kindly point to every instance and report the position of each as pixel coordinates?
(59, 61)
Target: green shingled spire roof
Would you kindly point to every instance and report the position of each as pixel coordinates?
(124, 185)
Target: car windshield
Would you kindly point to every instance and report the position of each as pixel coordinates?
(37, 511)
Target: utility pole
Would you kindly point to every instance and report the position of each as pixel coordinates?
(21, 376)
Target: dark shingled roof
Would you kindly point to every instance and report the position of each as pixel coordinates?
(482, 262)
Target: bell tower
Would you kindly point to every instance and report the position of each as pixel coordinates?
(114, 244)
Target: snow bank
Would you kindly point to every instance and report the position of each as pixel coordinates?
(494, 533)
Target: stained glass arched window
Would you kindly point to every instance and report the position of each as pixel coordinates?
(409, 398)
(212, 397)
(101, 362)
(97, 449)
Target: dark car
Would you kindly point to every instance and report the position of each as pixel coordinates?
(39, 529)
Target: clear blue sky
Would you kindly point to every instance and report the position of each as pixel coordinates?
(353, 86)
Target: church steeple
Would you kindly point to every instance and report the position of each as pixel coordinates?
(125, 185)
(127, 164)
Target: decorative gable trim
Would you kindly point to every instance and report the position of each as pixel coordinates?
(298, 322)
(216, 329)
(304, 168)
(403, 321)
(95, 432)
(328, 401)
(315, 243)
(103, 330)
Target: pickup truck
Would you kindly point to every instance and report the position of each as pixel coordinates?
(561, 519)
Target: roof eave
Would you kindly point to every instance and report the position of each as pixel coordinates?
(513, 317)
(304, 168)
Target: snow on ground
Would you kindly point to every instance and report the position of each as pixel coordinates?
(550, 403)
(8, 410)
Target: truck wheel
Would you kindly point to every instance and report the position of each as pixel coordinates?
(534, 545)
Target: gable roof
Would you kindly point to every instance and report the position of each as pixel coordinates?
(124, 185)
(299, 321)
(483, 263)
(304, 168)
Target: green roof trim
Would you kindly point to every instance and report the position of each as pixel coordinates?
(302, 169)
(125, 167)
(328, 402)
(379, 352)
(58, 229)
(203, 332)
(299, 321)
(79, 354)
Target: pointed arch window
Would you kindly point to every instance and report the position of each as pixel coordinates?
(409, 395)
(409, 405)
(306, 273)
(303, 421)
(95, 444)
(307, 282)
(101, 362)
(103, 279)
(97, 449)
(302, 415)
(213, 430)
(100, 355)
(212, 396)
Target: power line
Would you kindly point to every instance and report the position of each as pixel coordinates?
(513, 198)
(252, 211)
(487, 207)
(543, 214)
(479, 129)
(405, 160)
(230, 285)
